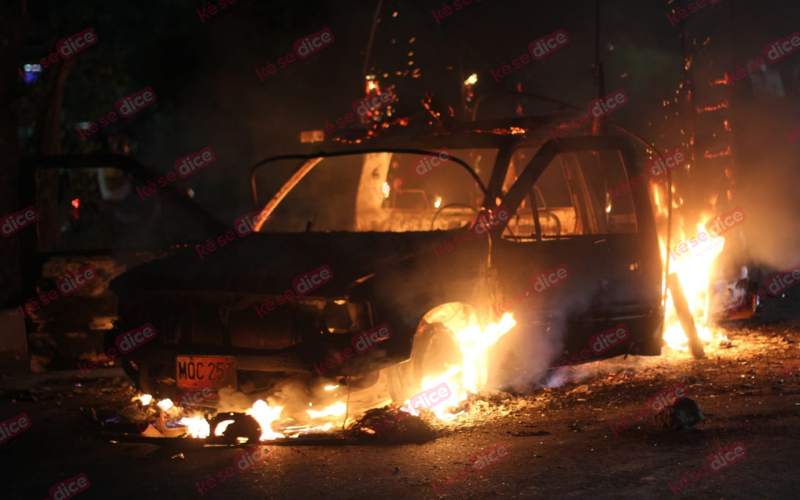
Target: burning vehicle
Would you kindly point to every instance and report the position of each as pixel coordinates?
(432, 255)
(388, 261)
(385, 265)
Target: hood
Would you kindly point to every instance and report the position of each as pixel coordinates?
(268, 262)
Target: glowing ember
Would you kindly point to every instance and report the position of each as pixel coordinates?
(336, 410)
(372, 84)
(265, 417)
(165, 404)
(197, 427)
(331, 387)
(145, 399)
(706, 109)
(295, 431)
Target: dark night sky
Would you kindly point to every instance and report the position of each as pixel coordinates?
(209, 94)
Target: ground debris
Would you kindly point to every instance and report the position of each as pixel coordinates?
(528, 433)
(392, 425)
(684, 414)
(575, 426)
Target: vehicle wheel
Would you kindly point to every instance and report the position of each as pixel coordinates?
(435, 351)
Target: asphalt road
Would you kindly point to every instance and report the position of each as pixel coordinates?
(560, 442)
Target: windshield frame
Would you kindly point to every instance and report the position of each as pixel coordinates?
(323, 155)
(307, 166)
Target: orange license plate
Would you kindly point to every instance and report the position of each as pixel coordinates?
(202, 371)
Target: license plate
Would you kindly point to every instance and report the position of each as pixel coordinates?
(202, 371)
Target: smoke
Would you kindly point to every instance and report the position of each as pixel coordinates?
(596, 369)
(766, 189)
(538, 341)
(527, 353)
(231, 400)
(293, 395)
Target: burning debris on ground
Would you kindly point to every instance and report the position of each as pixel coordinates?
(395, 426)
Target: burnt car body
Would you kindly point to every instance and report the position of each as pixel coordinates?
(386, 248)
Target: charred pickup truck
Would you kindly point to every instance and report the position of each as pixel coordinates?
(421, 237)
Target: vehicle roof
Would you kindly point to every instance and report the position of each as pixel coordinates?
(476, 134)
